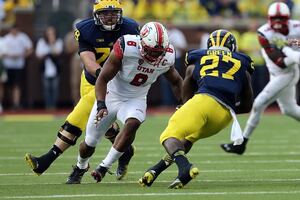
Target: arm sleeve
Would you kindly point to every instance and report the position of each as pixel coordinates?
(276, 55)
(83, 44)
(291, 55)
(119, 48)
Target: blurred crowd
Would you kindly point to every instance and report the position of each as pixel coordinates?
(8, 8)
(195, 11)
(16, 48)
(179, 11)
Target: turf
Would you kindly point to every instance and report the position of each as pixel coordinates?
(270, 168)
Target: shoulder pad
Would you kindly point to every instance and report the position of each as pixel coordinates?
(130, 25)
(193, 55)
(248, 59)
(85, 23)
(83, 29)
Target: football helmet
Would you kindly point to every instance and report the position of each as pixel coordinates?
(222, 39)
(278, 16)
(154, 41)
(107, 13)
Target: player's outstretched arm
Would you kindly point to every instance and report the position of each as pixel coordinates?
(273, 52)
(89, 60)
(109, 70)
(189, 84)
(246, 100)
(176, 82)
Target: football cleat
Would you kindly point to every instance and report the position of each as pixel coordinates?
(99, 173)
(32, 163)
(237, 149)
(184, 177)
(147, 179)
(76, 175)
(121, 171)
(123, 162)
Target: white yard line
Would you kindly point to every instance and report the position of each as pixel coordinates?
(246, 193)
(167, 172)
(200, 154)
(162, 181)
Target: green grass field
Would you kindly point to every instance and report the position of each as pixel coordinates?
(270, 169)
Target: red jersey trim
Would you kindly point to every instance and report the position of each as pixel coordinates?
(118, 50)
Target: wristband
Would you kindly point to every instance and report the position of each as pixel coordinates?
(97, 72)
(101, 105)
(180, 102)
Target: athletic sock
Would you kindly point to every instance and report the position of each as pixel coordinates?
(82, 163)
(47, 159)
(111, 157)
(181, 161)
(162, 165)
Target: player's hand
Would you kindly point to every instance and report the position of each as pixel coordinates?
(102, 111)
(293, 42)
(178, 106)
(279, 43)
(100, 114)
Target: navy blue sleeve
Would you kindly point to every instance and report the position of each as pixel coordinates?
(248, 62)
(131, 26)
(189, 58)
(80, 35)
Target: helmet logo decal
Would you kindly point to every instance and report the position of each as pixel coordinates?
(145, 32)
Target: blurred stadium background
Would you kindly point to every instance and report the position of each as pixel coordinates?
(194, 18)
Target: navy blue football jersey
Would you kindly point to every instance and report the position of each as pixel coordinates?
(93, 38)
(220, 73)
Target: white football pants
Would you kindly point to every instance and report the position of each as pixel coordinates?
(118, 108)
(281, 88)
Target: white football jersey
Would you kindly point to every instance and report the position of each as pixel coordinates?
(271, 36)
(137, 75)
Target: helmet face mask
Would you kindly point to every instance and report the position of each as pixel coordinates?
(279, 23)
(107, 14)
(278, 15)
(222, 39)
(154, 41)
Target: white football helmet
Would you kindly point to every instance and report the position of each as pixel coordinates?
(154, 41)
(279, 14)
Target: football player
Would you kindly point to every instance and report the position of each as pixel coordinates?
(283, 65)
(215, 77)
(134, 64)
(96, 37)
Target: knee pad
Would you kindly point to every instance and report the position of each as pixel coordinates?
(75, 131)
(112, 132)
(258, 105)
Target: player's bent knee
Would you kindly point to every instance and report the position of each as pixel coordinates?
(257, 105)
(69, 133)
(86, 150)
(132, 124)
